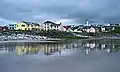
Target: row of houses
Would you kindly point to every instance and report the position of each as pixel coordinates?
(49, 25)
(23, 25)
(91, 29)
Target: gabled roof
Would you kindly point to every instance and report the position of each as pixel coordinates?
(12, 24)
(52, 23)
(49, 22)
(55, 24)
(30, 23)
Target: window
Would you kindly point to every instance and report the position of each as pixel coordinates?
(23, 25)
(12, 28)
(51, 26)
(32, 28)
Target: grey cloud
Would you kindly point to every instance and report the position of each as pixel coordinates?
(102, 11)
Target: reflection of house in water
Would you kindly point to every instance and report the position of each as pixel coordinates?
(87, 51)
(48, 49)
(21, 50)
(94, 45)
(52, 48)
(60, 48)
(103, 46)
(8, 47)
(90, 45)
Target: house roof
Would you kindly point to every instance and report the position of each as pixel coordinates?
(52, 23)
(76, 27)
(108, 26)
(30, 23)
(66, 27)
(3, 27)
(86, 27)
(12, 24)
(49, 22)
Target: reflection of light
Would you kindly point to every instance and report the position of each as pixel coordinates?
(87, 51)
(113, 46)
(88, 45)
(91, 45)
(108, 50)
(103, 46)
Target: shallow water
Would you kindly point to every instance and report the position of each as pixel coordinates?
(66, 56)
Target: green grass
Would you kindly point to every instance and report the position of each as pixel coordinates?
(116, 31)
(73, 37)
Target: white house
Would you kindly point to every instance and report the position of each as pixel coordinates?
(49, 25)
(102, 29)
(76, 29)
(92, 30)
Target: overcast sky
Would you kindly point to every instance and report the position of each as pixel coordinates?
(65, 11)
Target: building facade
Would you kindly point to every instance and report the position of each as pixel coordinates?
(91, 29)
(12, 26)
(27, 26)
(3, 28)
(49, 25)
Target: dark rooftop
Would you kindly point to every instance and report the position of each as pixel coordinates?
(30, 23)
(52, 23)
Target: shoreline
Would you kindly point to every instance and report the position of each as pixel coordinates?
(40, 41)
(52, 40)
(101, 38)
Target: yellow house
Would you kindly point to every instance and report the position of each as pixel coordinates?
(27, 26)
